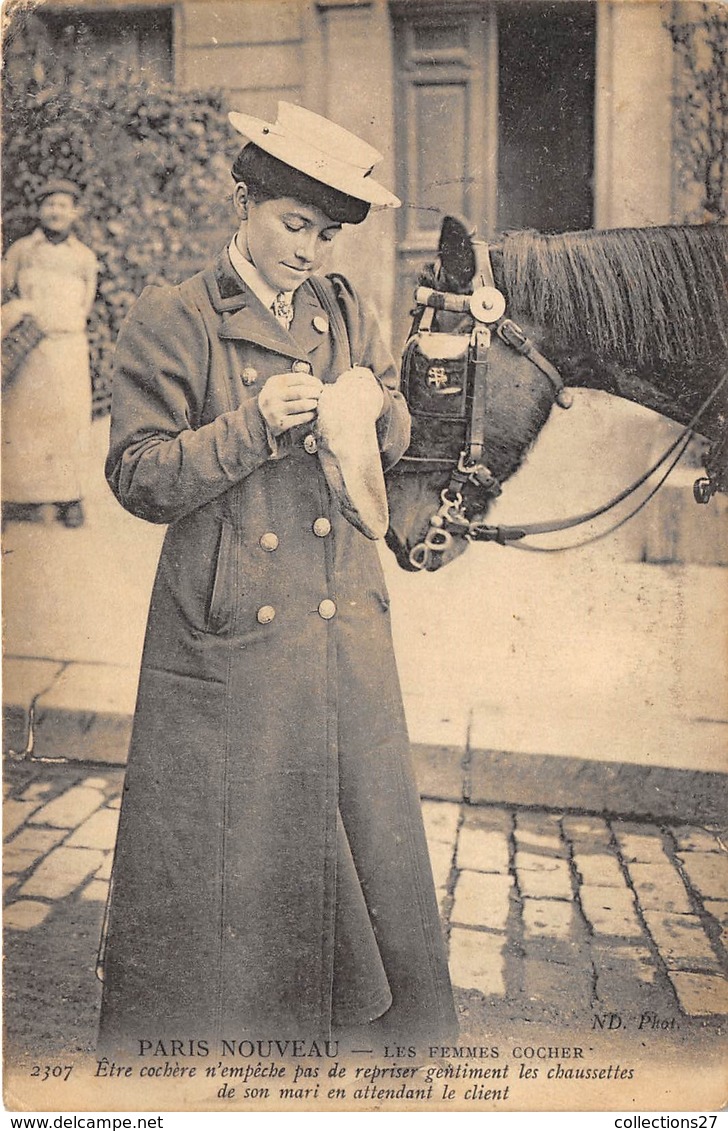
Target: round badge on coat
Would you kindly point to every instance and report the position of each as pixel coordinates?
(320, 323)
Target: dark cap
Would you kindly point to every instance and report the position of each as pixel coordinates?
(57, 184)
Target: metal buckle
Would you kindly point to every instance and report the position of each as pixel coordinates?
(517, 339)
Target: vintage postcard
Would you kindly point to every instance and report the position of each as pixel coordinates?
(364, 458)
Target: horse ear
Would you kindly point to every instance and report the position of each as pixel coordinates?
(457, 255)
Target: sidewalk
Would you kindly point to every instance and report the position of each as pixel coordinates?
(569, 724)
(551, 917)
(580, 680)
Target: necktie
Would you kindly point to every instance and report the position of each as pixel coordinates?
(283, 310)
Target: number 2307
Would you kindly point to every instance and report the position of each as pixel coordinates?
(52, 1071)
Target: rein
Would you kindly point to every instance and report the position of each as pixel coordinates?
(487, 307)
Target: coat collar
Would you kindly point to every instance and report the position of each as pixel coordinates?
(244, 317)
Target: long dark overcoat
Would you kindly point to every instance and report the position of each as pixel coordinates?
(271, 874)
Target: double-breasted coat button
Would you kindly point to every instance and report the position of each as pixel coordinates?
(327, 609)
(269, 541)
(265, 614)
(321, 527)
(320, 323)
(301, 367)
(310, 443)
(249, 375)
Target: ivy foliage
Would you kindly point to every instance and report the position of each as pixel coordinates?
(153, 163)
(700, 40)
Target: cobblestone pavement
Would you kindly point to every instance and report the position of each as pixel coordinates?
(550, 916)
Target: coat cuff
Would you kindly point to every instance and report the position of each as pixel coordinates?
(393, 427)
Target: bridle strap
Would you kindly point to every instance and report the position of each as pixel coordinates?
(480, 347)
(480, 532)
(512, 334)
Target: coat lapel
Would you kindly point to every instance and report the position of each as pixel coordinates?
(310, 326)
(244, 317)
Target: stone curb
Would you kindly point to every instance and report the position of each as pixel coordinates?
(83, 713)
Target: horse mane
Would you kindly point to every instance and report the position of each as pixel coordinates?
(639, 296)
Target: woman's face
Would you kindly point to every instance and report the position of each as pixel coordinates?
(286, 240)
(57, 212)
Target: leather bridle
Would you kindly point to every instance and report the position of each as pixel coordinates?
(487, 307)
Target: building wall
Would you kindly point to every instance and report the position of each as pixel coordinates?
(336, 58)
(633, 115)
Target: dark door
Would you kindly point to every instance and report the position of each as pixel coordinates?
(545, 115)
(495, 112)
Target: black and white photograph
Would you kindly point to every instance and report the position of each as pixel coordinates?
(365, 547)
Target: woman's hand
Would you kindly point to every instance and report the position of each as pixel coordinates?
(288, 399)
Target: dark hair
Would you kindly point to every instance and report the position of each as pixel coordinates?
(268, 178)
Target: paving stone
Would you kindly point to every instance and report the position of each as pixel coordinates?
(610, 911)
(586, 828)
(599, 870)
(16, 861)
(441, 860)
(9, 882)
(488, 817)
(641, 848)
(34, 839)
(99, 831)
(528, 861)
(538, 824)
(548, 918)
(96, 891)
(15, 813)
(483, 850)
(548, 843)
(70, 808)
(681, 941)
(114, 802)
(25, 914)
(551, 884)
(659, 887)
(701, 995)
(718, 908)
(691, 838)
(477, 962)
(37, 791)
(707, 872)
(62, 872)
(555, 982)
(104, 872)
(441, 820)
(627, 959)
(96, 782)
(482, 900)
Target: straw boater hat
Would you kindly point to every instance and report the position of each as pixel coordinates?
(320, 149)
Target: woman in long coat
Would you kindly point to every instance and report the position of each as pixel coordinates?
(271, 875)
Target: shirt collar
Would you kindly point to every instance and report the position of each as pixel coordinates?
(252, 277)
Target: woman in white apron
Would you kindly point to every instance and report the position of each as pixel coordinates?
(52, 276)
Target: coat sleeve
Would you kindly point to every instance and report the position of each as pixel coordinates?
(162, 462)
(368, 349)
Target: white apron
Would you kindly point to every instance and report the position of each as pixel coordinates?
(47, 407)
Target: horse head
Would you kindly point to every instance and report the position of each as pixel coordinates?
(479, 435)
(638, 313)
